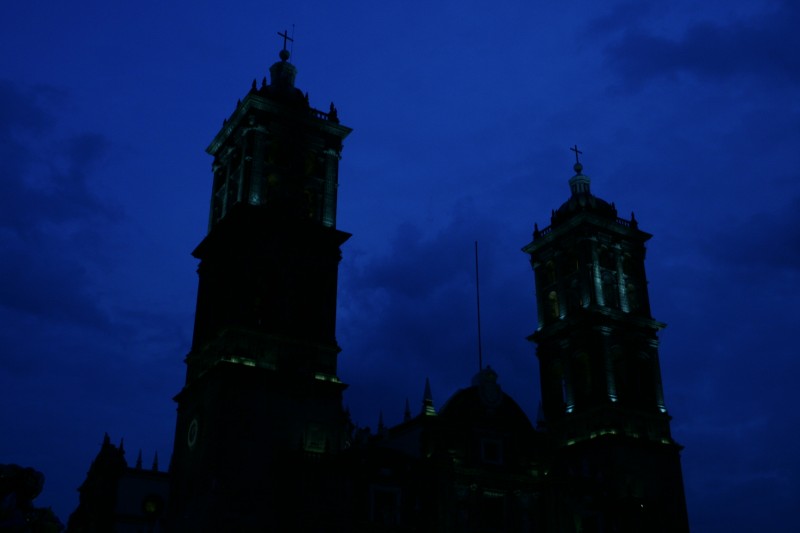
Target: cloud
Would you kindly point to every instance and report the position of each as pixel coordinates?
(765, 242)
(410, 313)
(52, 226)
(621, 16)
(35, 283)
(44, 178)
(80, 354)
(19, 109)
(729, 359)
(762, 47)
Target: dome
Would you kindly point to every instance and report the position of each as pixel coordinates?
(281, 86)
(582, 200)
(486, 405)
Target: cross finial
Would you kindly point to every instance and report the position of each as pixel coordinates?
(577, 153)
(286, 37)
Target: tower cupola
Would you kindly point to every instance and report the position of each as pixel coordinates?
(597, 345)
(579, 183)
(282, 73)
(581, 199)
(261, 388)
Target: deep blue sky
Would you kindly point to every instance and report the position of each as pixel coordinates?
(688, 113)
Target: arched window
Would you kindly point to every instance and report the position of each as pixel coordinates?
(627, 265)
(550, 272)
(552, 305)
(635, 381)
(622, 380)
(573, 295)
(610, 290)
(633, 297)
(608, 259)
(582, 379)
(645, 380)
(558, 396)
(570, 263)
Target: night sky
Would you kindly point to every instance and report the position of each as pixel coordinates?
(687, 112)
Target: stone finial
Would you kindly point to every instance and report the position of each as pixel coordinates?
(427, 400)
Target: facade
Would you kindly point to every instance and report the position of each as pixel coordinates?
(597, 344)
(120, 498)
(261, 389)
(262, 442)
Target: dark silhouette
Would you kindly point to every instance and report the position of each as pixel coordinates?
(116, 497)
(262, 442)
(19, 486)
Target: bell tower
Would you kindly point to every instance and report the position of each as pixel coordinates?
(262, 400)
(597, 346)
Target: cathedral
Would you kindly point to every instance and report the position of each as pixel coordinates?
(262, 441)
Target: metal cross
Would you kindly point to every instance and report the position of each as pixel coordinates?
(286, 37)
(577, 152)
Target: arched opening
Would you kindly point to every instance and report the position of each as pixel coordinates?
(573, 296)
(553, 310)
(550, 272)
(635, 380)
(610, 290)
(582, 379)
(632, 295)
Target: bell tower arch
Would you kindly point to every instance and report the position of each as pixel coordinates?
(597, 345)
(262, 402)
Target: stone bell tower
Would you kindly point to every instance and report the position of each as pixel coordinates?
(597, 346)
(262, 400)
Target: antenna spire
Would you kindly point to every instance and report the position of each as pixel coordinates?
(478, 298)
(427, 400)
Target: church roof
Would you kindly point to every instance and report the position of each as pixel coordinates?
(582, 200)
(485, 404)
(281, 87)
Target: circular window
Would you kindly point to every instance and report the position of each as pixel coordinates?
(191, 437)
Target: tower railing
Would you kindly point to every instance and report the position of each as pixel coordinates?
(538, 233)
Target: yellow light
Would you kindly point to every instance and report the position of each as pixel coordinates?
(326, 377)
